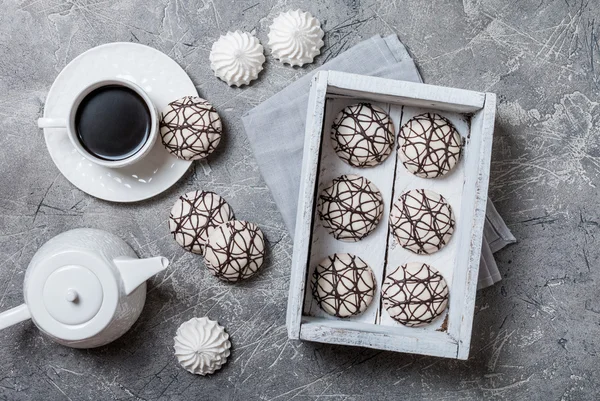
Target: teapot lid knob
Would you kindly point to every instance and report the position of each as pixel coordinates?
(71, 295)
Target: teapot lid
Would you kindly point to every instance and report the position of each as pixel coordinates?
(72, 295)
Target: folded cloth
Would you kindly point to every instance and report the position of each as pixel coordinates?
(275, 130)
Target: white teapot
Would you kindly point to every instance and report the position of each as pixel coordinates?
(84, 288)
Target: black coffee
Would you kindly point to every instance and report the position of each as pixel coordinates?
(113, 122)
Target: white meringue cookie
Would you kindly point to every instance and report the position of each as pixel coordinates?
(201, 346)
(295, 37)
(237, 58)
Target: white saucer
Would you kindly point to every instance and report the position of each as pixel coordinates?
(162, 79)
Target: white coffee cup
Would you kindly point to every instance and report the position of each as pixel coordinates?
(68, 123)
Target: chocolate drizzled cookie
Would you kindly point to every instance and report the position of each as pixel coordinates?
(343, 285)
(415, 294)
(429, 145)
(363, 135)
(190, 128)
(422, 221)
(235, 250)
(350, 207)
(194, 217)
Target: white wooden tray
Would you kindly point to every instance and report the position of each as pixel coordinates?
(465, 188)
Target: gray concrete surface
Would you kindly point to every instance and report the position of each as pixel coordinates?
(535, 334)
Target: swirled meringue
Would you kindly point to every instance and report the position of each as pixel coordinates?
(295, 37)
(201, 346)
(237, 58)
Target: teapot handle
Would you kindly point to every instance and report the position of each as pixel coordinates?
(14, 316)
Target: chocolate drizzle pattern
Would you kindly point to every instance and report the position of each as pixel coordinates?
(429, 145)
(195, 216)
(235, 250)
(422, 221)
(190, 128)
(350, 207)
(343, 285)
(363, 135)
(415, 294)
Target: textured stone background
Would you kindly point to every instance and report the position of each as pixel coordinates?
(535, 334)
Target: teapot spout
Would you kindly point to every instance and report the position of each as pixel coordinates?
(136, 271)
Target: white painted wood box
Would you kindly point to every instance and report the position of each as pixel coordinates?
(465, 188)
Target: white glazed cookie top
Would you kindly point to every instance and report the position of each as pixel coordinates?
(415, 294)
(422, 221)
(201, 346)
(295, 38)
(194, 216)
(343, 285)
(429, 145)
(190, 128)
(363, 135)
(237, 58)
(350, 207)
(235, 250)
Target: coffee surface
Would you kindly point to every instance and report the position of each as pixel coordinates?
(113, 122)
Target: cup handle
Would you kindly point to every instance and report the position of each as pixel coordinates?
(52, 123)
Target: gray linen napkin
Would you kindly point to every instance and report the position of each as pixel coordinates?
(275, 130)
